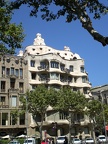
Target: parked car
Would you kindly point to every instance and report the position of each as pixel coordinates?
(30, 141)
(76, 141)
(101, 139)
(89, 141)
(14, 142)
(61, 139)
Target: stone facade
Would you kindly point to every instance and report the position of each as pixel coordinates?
(44, 64)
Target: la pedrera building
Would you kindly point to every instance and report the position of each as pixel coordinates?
(39, 64)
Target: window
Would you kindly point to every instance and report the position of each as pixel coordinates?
(62, 67)
(71, 68)
(86, 130)
(43, 77)
(75, 79)
(3, 70)
(8, 71)
(3, 85)
(73, 131)
(17, 72)
(22, 119)
(12, 83)
(13, 101)
(33, 75)
(69, 79)
(2, 99)
(4, 118)
(21, 73)
(21, 87)
(33, 87)
(54, 64)
(32, 63)
(82, 69)
(12, 71)
(43, 65)
(85, 90)
(63, 115)
(74, 89)
(84, 79)
(54, 76)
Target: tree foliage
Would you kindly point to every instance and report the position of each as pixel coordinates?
(71, 10)
(38, 102)
(69, 100)
(11, 35)
(97, 111)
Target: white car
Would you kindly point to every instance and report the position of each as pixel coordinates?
(101, 138)
(60, 139)
(76, 141)
(30, 141)
(89, 141)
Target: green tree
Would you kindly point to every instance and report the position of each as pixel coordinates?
(93, 111)
(11, 35)
(38, 101)
(72, 103)
(82, 10)
(97, 112)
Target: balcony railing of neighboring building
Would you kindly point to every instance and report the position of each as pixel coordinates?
(13, 90)
(11, 76)
(2, 90)
(3, 75)
(4, 106)
(21, 91)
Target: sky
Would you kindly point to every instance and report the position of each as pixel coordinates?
(58, 34)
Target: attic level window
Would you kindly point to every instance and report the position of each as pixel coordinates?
(65, 53)
(32, 63)
(8, 60)
(82, 69)
(40, 48)
(58, 53)
(49, 49)
(33, 49)
(74, 58)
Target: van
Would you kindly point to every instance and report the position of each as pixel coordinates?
(30, 141)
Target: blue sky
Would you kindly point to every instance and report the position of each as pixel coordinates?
(58, 34)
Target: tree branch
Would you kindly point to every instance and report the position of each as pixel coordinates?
(87, 24)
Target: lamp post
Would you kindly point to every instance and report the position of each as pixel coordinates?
(27, 119)
(103, 112)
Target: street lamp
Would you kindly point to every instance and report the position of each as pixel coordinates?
(27, 119)
(103, 112)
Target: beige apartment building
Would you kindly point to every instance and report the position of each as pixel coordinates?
(13, 83)
(43, 64)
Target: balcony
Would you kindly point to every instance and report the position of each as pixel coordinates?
(2, 90)
(12, 90)
(44, 79)
(12, 76)
(4, 106)
(43, 67)
(21, 91)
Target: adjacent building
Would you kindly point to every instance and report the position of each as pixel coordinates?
(100, 93)
(42, 64)
(13, 83)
